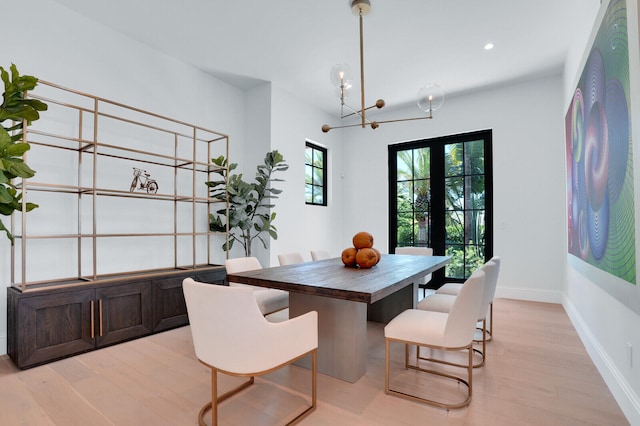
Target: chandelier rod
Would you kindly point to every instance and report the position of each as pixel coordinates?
(362, 114)
(427, 117)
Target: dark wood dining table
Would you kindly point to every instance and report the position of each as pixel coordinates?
(345, 298)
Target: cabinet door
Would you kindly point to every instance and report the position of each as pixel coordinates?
(123, 312)
(52, 326)
(169, 307)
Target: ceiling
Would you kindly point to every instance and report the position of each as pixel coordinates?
(294, 43)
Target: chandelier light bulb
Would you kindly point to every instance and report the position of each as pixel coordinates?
(430, 97)
(341, 76)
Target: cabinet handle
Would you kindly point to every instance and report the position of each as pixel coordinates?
(100, 311)
(93, 324)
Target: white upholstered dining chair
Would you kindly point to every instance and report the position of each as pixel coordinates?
(444, 302)
(269, 300)
(232, 337)
(290, 258)
(320, 254)
(453, 331)
(418, 251)
(454, 288)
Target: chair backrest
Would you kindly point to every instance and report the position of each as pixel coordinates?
(320, 254)
(416, 251)
(491, 273)
(290, 258)
(242, 264)
(496, 260)
(463, 316)
(225, 323)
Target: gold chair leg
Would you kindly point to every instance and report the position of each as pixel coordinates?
(314, 387)
(482, 352)
(468, 382)
(215, 399)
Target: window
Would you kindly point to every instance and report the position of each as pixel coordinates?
(441, 197)
(315, 189)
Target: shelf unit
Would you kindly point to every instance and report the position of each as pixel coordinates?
(102, 259)
(90, 224)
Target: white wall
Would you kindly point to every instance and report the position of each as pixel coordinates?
(605, 325)
(528, 171)
(304, 227)
(60, 46)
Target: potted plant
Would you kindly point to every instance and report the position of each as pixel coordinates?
(17, 112)
(248, 215)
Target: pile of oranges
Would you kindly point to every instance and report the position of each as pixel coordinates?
(362, 253)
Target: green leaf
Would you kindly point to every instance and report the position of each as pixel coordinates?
(17, 167)
(9, 236)
(5, 197)
(16, 150)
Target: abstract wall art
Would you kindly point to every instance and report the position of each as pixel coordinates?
(600, 200)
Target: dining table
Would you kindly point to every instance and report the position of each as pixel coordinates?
(345, 299)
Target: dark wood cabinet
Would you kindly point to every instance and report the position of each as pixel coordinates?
(124, 312)
(48, 326)
(54, 323)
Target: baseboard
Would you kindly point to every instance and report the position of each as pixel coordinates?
(3, 344)
(624, 395)
(531, 294)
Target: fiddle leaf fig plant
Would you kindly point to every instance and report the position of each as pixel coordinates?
(249, 202)
(16, 112)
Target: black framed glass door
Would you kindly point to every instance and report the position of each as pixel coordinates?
(440, 196)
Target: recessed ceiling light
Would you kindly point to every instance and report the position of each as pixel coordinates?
(488, 46)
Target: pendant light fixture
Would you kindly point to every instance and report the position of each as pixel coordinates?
(429, 98)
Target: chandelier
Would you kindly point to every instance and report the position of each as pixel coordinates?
(429, 98)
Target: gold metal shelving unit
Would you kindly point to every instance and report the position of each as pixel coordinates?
(91, 224)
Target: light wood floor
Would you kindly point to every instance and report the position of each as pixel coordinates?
(537, 373)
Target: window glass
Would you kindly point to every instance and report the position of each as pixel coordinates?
(315, 175)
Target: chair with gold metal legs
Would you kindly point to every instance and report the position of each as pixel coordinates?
(439, 331)
(454, 288)
(231, 336)
(320, 254)
(443, 303)
(290, 258)
(269, 300)
(418, 251)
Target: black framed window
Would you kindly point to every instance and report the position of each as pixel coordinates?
(315, 188)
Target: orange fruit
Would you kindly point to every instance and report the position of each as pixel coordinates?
(366, 258)
(377, 253)
(349, 256)
(363, 240)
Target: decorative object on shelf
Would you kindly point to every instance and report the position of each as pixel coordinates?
(362, 254)
(144, 179)
(429, 98)
(20, 113)
(78, 165)
(248, 202)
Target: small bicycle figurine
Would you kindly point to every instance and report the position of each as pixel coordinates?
(142, 176)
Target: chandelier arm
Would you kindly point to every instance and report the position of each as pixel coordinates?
(356, 112)
(428, 117)
(341, 127)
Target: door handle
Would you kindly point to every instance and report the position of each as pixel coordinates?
(93, 319)
(100, 312)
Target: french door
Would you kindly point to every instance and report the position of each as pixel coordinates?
(440, 196)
